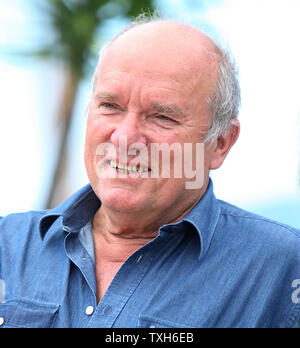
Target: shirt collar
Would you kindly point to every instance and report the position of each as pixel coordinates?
(76, 211)
(80, 208)
(204, 217)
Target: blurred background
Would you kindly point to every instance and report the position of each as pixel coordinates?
(48, 51)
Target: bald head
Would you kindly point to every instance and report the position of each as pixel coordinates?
(166, 33)
(184, 52)
(169, 45)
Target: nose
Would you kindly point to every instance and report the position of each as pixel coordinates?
(130, 128)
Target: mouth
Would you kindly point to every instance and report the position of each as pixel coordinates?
(128, 168)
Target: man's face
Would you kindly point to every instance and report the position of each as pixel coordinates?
(147, 96)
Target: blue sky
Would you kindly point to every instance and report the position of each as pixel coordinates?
(262, 171)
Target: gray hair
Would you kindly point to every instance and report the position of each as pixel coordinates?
(226, 100)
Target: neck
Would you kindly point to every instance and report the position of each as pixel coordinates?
(124, 233)
(117, 236)
(119, 231)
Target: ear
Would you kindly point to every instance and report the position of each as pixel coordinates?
(223, 145)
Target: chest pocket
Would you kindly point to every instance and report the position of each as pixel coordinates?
(27, 314)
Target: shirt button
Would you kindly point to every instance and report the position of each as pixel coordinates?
(1, 321)
(89, 310)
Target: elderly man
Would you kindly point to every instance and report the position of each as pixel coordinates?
(142, 246)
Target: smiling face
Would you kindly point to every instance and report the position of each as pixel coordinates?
(151, 88)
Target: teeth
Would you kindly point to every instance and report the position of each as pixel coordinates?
(113, 164)
(128, 168)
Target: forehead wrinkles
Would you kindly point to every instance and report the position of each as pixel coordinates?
(153, 51)
(186, 80)
(112, 80)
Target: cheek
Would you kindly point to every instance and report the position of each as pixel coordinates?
(96, 134)
(98, 131)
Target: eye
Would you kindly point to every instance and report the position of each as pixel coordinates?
(165, 118)
(108, 106)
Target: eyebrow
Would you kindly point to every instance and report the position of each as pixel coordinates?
(106, 96)
(169, 109)
(172, 110)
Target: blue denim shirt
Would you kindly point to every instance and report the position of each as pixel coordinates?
(220, 266)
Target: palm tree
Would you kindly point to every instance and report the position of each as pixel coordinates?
(76, 24)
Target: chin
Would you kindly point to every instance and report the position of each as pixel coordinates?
(122, 200)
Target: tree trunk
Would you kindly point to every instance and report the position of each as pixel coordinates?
(65, 120)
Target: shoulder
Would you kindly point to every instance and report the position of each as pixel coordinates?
(230, 211)
(259, 228)
(18, 227)
(14, 220)
(267, 254)
(18, 219)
